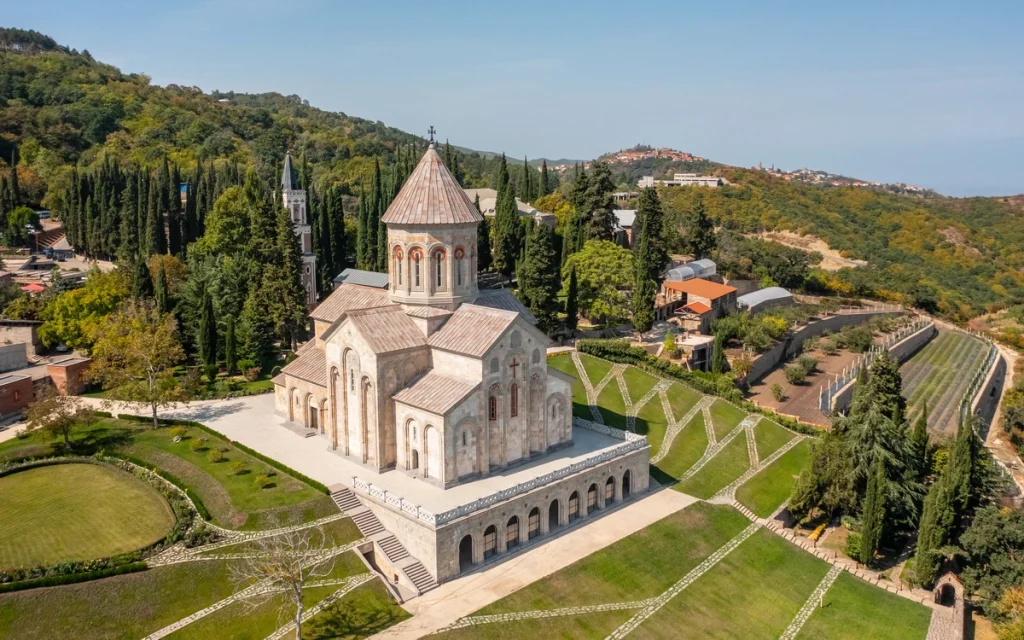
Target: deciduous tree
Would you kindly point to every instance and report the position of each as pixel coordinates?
(58, 415)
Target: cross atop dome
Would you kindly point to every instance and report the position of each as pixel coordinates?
(431, 131)
(432, 196)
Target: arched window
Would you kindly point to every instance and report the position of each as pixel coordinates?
(351, 379)
(513, 408)
(465, 439)
(416, 268)
(492, 408)
(459, 255)
(494, 365)
(536, 356)
(554, 411)
(609, 491)
(533, 525)
(516, 339)
(512, 532)
(592, 498)
(574, 506)
(439, 269)
(398, 266)
(490, 541)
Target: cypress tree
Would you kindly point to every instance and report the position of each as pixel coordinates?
(527, 187)
(142, 283)
(230, 349)
(873, 513)
(718, 362)
(15, 190)
(160, 291)
(650, 220)
(157, 238)
(338, 241)
(174, 213)
(700, 238)
(540, 277)
(506, 234)
(572, 305)
(373, 216)
(920, 440)
(129, 221)
(483, 242)
(543, 188)
(361, 235)
(207, 332)
(642, 303)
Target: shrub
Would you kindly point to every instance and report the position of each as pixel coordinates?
(198, 444)
(211, 372)
(214, 455)
(252, 374)
(857, 339)
(237, 467)
(808, 364)
(262, 481)
(741, 366)
(828, 346)
(795, 374)
(179, 432)
(852, 547)
(243, 365)
(778, 393)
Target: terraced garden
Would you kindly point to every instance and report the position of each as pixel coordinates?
(939, 375)
(701, 445)
(703, 572)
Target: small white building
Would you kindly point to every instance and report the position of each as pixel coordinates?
(682, 180)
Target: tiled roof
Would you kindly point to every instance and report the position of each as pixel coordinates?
(288, 178)
(346, 298)
(431, 196)
(472, 330)
(311, 366)
(504, 299)
(700, 287)
(418, 311)
(387, 329)
(364, 278)
(697, 307)
(435, 393)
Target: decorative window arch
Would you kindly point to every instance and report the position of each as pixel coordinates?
(513, 408)
(438, 259)
(459, 255)
(536, 356)
(492, 408)
(416, 255)
(398, 264)
(465, 438)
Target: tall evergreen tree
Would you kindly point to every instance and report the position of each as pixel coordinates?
(642, 303)
(361, 233)
(501, 181)
(207, 332)
(373, 216)
(129, 232)
(600, 206)
(540, 277)
(700, 233)
(483, 241)
(174, 229)
(142, 282)
(873, 512)
(572, 303)
(718, 362)
(13, 186)
(339, 245)
(156, 237)
(650, 219)
(160, 293)
(920, 439)
(506, 247)
(543, 188)
(230, 348)
(526, 189)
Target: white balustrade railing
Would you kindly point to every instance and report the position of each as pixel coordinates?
(632, 442)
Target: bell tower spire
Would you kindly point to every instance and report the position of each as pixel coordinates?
(294, 198)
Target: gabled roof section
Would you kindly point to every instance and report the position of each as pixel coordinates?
(435, 393)
(364, 278)
(504, 299)
(289, 179)
(700, 287)
(387, 329)
(472, 330)
(348, 297)
(311, 366)
(431, 195)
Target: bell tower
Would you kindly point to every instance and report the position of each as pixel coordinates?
(294, 198)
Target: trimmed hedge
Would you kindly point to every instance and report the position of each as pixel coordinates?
(102, 414)
(51, 581)
(259, 456)
(713, 384)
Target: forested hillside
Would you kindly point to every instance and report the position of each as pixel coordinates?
(959, 257)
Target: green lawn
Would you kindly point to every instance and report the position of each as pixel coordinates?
(854, 609)
(583, 627)
(769, 437)
(754, 592)
(725, 417)
(612, 407)
(638, 383)
(773, 485)
(128, 606)
(681, 398)
(337, 533)
(729, 464)
(650, 422)
(596, 368)
(687, 448)
(233, 500)
(639, 566)
(71, 512)
(365, 611)
(564, 363)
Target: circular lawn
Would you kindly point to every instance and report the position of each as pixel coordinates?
(71, 512)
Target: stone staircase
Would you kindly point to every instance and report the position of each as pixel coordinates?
(390, 546)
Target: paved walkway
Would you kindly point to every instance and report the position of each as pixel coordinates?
(812, 603)
(461, 597)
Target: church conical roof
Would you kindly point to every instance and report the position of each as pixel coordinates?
(289, 179)
(431, 195)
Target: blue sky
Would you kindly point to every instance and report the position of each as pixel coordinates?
(929, 93)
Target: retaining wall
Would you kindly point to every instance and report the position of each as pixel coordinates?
(986, 400)
(901, 352)
(793, 344)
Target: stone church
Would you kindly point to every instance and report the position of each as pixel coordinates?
(439, 399)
